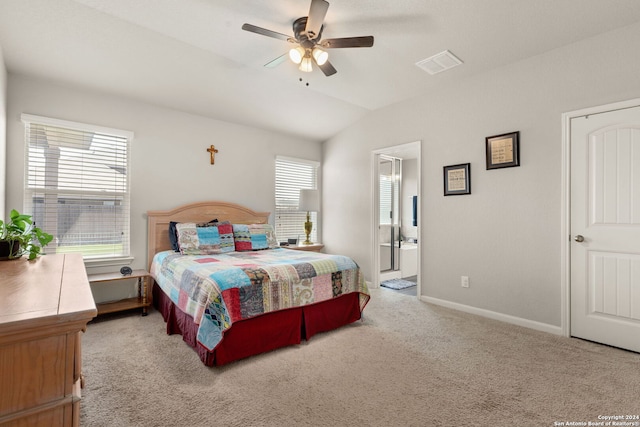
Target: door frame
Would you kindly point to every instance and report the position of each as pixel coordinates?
(397, 213)
(565, 227)
(375, 235)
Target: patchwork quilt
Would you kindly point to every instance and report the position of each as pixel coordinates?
(218, 290)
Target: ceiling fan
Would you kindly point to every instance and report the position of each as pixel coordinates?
(307, 32)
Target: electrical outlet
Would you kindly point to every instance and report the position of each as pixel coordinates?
(464, 281)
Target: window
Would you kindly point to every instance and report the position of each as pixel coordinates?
(389, 191)
(385, 199)
(77, 186)
(291, 176)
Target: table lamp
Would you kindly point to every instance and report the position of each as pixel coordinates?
(309, 201)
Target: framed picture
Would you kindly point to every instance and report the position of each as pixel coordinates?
(457, 179)
(503, 151)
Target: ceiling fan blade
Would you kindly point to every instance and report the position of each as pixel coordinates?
(365, 41)
(317, 12)
(279, 60)
(327, 68)
(268, 33)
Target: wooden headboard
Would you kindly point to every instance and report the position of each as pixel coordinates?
(158, 221)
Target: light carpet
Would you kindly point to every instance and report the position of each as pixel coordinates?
(407, 363)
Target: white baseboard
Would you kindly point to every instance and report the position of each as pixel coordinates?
(532, 324)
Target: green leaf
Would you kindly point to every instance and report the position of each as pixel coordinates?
(21, 229)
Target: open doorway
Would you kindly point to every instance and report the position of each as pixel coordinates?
(390, 207)
(396, 224)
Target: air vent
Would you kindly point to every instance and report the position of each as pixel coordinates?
(438, 63)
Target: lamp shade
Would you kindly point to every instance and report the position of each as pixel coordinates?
(320, 56)
(309, 200)
(296, 54)
(305, 64)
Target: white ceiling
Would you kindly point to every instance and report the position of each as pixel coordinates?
(193, 56)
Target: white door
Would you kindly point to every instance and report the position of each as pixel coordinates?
(605, 228)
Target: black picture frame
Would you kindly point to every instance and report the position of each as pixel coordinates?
(457, 179)
(503, 151)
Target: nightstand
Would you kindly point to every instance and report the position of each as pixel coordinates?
(314, 247)
(143, 299)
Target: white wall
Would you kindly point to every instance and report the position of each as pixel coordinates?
(409, 189)
(170, 164)
(506, 235)
(3, 133)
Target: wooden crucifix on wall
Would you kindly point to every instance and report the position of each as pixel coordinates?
(212, 151)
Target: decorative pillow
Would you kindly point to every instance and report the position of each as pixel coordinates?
(254, 237)
(211, 239)
(173, 236)
(173, 233)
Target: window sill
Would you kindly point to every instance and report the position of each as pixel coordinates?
(107, 262)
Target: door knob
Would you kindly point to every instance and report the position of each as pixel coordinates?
(579, 238)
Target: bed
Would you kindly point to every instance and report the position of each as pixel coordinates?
(240, 302)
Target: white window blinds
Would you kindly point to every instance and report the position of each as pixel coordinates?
(291, 176)
(386, 185)
(77, 186)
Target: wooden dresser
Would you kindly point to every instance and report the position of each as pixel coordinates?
(45, 304)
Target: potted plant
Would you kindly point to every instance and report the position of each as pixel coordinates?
(19, 236)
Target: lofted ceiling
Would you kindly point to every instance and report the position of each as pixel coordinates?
(192, 55)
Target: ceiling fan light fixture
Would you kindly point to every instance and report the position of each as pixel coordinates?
(296, 54)
(320, 56)
(305, 65)
(307, 37)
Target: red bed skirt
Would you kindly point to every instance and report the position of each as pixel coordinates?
(263, 333)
